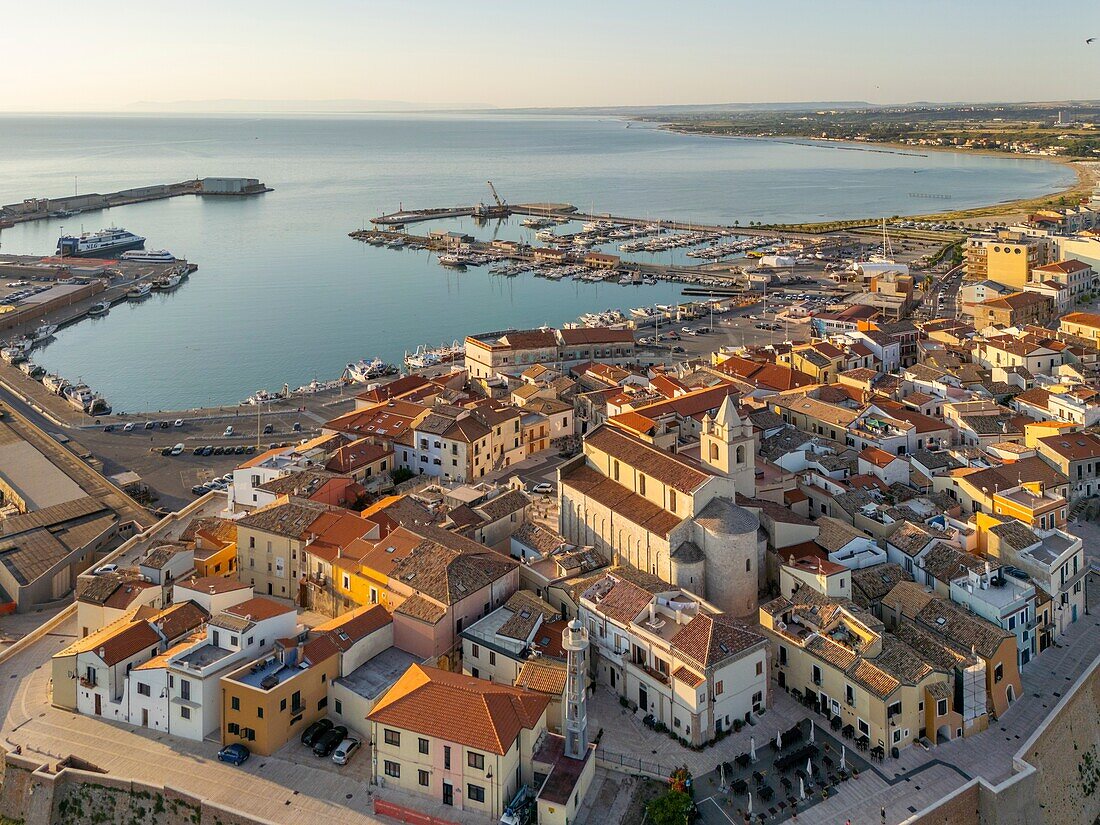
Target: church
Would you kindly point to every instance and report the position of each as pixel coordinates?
(671, 514)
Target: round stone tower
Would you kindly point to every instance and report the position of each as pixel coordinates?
(726, 534)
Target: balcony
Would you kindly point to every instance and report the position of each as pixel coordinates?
(86, 682)
(655, 675)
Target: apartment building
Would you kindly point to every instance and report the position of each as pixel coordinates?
(674, 655)
(271, 543)
(1006, 257)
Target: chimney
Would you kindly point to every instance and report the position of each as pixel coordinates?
(652, 611)
(301, 652)
(103, 653)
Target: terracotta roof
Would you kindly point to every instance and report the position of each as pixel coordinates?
(543, 676)
(285, 518)
(687, 677)
(127, 642)
(356, 625)
(449, 572)
(212, 584)
(880, 458)
(671, 469)
(1073, 446)
(709, 640)
(596, 335)
(614, 496)
(479, 714)
(259, 608)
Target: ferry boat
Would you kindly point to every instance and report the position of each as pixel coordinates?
(100, 308)
(363, 371)
(148, 256)
(43, 332)
(54, 383)
(96, 244)
(139, 291)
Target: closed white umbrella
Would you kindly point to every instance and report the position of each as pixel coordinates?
(801, 788)
(811, 731)
(778, 740)
(752, 748)
(842, 752)
(750, 803)
(809, 767)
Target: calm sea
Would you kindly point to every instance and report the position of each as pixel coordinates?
(282, 294)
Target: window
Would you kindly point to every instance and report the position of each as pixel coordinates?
(615, 470)
(259, 713)
(893, 710)
(185, 689)
(423, 745)
(759, 668)
(282, 704)
(672, 500)
(143, 689)
(719, 686)
(346, 580)
(849, 694)
(492, 657)
(446, 757)
(393, 737)
(998, 673)
(817, 675)
(235, 703)
(941, 707)
(235, 641)
(393, 769)
(863, 727)
(338, 706)
(475, 760)
(322, 703)
(185, 713)
(423, 778)
(641, 485)
(475, 652)
(373, 596)
(475, 793)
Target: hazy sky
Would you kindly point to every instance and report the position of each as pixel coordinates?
(66, 55)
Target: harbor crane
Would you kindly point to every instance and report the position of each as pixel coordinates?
(500, 204)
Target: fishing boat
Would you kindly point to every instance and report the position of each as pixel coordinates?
(433, 356)
(169, 281)
(260, 397)
(32, 370)
(43, 332)
(139, 291)
(363, 371)
(54, 383)
(13, 354)
(100, 308)
(453, 261)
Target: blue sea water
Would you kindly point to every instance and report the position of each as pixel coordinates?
(283, 295)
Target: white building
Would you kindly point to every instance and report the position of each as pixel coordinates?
(672, 655)
(179, 691)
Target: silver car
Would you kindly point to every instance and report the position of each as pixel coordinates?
(345, 750)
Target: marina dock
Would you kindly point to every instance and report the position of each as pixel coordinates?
(36, 209)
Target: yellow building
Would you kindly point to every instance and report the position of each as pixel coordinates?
(1082, 325)
(1005, 257)
(263, 708)
(1033, 504)
(461, 740)
(215, 548)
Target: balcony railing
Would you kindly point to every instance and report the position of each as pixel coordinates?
(86, 682)
(655, 675)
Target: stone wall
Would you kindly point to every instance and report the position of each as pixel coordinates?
(42, 794)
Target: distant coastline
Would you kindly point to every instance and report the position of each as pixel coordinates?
(1087, 171)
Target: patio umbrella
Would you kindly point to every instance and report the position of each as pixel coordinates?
(811, 731)
(809, 767)
(752, 748)
(842, 765)
(750, 803)
(801, 788)
(778, 739)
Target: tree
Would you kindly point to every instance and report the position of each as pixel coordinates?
(672, 808)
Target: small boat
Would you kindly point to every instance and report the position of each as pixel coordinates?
(43, 332)
(32, 370)
(148, 256)
(13, 354)
(453, 261)
(169, 281)
(396, 243)
(261, 397)
(100, 308)
(139, 291)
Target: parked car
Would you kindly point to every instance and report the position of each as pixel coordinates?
(345, 750)
(197, 451)
(198, 490)
(297, 427)
(128, 427)
(207, 450)
(315, 731)
(177, 449)
(110, 428)
(269, 429)
(105, 568)
(164, 425)
(210, 485)
(235, 754)
(238, 450)
(219, 450)
(228, 477)
(150, 424)
(249, 450)
(543, 489)
(228, 432)
(178, 422)
(329, 740)
(166, 451)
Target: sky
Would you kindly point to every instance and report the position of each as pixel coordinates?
(74, 55)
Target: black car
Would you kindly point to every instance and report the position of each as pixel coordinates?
(197, 451)
(219, 450)
(166, 451)
(297, 427)
(315, 731)
(329, 740)
(238, 450)
(110, 428)
(269, 429)
(207, 450)
(249, 450)
(164, 425)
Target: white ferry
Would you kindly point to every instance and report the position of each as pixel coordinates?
(96, 244)
(148, 256)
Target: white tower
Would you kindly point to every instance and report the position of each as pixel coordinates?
(575, 641)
